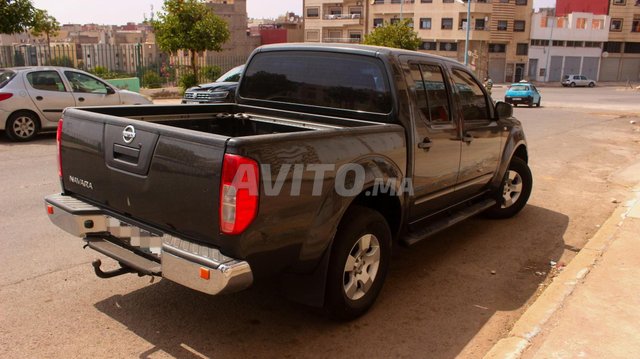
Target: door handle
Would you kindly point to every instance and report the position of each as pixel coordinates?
(39, 98)
(467, 138)
(425, 144)
(81, 99)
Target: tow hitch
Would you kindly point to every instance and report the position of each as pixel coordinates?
(110, 274)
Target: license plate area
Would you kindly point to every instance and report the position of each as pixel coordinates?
(135, 237)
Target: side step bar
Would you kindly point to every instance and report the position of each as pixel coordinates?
(126, 257)
(433, 228)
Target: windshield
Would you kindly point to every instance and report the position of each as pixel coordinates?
(232, 75)
(566, 77)
(519, 88)
(5, 77)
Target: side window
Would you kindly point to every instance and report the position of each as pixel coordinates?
(437, 94)
(421, 95)
(472, 100)
(85, 84)
(46, 81)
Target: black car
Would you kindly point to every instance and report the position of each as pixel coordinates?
(223, 90)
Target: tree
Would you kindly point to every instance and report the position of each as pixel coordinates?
(189, 25)
(16, 15)
(399, 35)
(45, 24)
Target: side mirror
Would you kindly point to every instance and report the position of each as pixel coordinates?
(504, 110)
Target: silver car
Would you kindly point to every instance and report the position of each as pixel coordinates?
(577, 80)
(33, 98)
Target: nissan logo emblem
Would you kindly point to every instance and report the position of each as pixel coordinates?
(129, 134)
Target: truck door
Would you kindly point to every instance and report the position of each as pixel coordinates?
(481, 135)
(436, 140)
(48, 93)
(89, 91)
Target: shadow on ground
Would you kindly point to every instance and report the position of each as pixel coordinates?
(438, 296)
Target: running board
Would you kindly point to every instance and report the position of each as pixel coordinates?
(433, 228)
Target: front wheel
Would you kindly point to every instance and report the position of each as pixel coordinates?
(514, 192)
(591, 84)
(358, 265)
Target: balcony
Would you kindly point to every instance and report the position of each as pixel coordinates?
(343, 19)
(343, 40)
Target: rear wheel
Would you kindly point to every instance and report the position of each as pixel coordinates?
(22, 126)
(573, 84)
(514, 192)
(358, 265)
(538, 104)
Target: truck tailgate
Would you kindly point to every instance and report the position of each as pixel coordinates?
(161, 176)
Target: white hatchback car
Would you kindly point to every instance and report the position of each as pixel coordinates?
(33, 98)
(577, 80)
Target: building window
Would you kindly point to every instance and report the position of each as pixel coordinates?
(518, 25)
(543, 21)
(536, 42)
(313, 36)
(619, 2)
(447, 23)
(581, 23)
(558, 43)
(375, 2)
(597, 24)
(447, 1)
(480, 24)
(425, 23)
(616, 25)
(378, 22)
(448, 46)
(427, 45)
(521, 2)
(395, 20)
(426, 1)
(575, 44)
(313, 12)
(522, 49)
(502, 25)
(612, 47)
(632, 48)
(592, 44)
(497, 48)
(355, 37)
(635, 25)
(396, 1)
(561, 22)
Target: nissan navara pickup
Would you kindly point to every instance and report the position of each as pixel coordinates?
(330, 155)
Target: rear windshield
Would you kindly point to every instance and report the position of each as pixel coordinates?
(342, 81)
(5, 77)
(519, 88)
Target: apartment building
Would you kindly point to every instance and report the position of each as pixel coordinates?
(335, 21)
(499, 33)
(564, 43)
(621, 54)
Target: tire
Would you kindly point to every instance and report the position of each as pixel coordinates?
(591, 84)
(22, 126)
(573, 84)
(538, 104)
(358, 264)
(530, 104)
(514, 192)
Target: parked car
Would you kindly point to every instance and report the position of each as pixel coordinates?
(33, 98)
(223, 90)
(329, 156)
(577, 80)
(523, 93)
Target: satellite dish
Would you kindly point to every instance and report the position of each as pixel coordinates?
(605, 54)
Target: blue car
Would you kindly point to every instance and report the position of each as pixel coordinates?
(523, 93)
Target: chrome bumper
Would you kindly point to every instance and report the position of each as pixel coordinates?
(193, 265)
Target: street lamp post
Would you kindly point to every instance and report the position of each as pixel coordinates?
(466, 41)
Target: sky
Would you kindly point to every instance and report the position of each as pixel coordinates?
(119, 12)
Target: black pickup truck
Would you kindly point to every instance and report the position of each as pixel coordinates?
(330, 156)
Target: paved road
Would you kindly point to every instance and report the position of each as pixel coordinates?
(440, 299)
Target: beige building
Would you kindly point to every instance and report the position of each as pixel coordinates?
(621, 54)
(499, 33)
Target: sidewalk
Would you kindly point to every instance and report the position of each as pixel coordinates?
(592, 308)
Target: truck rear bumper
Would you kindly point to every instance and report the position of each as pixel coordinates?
(193, 265)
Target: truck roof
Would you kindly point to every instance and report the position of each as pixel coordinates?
(350, 48)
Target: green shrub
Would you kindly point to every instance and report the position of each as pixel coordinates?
(188, 80)
(151, 79)
(64, 61)
(210, 73)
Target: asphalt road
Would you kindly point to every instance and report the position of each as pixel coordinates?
(440, 300)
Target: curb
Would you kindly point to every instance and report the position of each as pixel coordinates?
(554, 296)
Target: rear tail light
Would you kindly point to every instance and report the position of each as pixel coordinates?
(4, 96)
(238, 193)
(59, 143)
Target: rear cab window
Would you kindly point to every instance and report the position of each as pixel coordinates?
(431, 93)
(348, 82)
(5, 77)
(46, 81)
